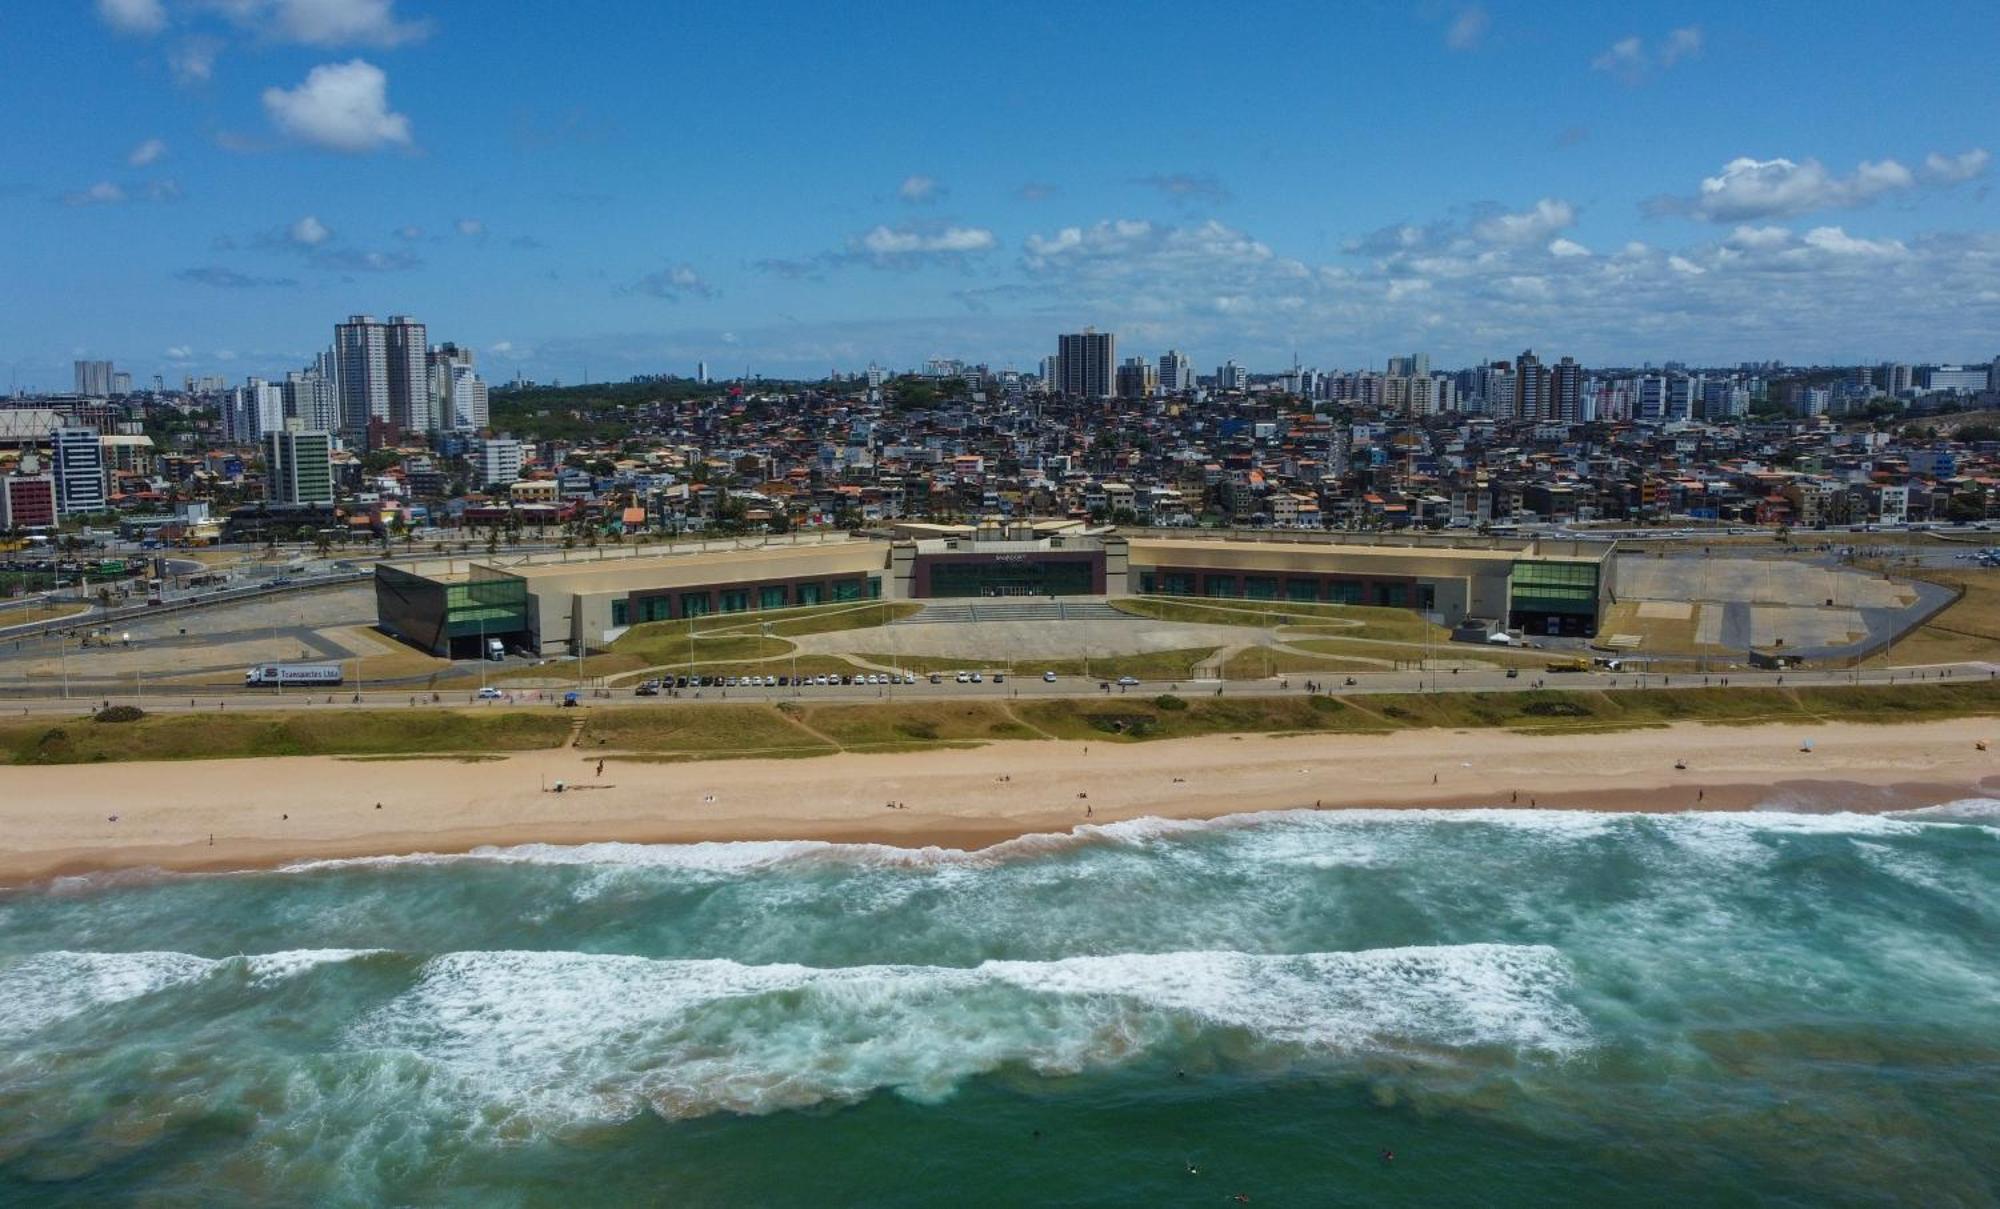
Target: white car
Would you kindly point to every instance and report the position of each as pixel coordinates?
(978, 679)
(963, 678)
(909, 677)
(489, 693)
(1048, 677)
(1128, 681)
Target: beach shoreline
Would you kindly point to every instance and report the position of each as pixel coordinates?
(222, 815)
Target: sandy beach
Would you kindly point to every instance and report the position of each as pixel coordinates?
(233, 814)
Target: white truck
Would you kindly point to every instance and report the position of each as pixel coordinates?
(495, 649)
(282, 674)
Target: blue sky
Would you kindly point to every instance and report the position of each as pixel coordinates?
(628, 186)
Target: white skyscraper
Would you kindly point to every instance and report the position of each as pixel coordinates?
(361, 366)
(468, 399)
(457, 392)
(1176, 372)
(93, 378)
(312, 398)
(383, 373)
(498, 461)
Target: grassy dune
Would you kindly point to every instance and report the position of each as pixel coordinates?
(721, 731)
(230, 734)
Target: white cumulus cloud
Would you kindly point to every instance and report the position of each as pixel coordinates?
(325, 23)
(919, 189)
(1544, 219)
(309, 232)
(103, 193)
(1840, 243)
(1630, 60)
(1467, 28)
(339, 106)
(1953, 169)
(140, 17)
(1760, 237)
(1567, 247)
(146, 152)
(887, 242)
(1683, 43)
(192, 60)
(470, 226)
(1751, 188)
(675, 283)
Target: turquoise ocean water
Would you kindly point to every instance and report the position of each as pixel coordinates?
(1527, 1008)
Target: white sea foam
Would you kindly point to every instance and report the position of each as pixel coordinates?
(42, 989)
(45, 988)
(1984, 812)
(268, 968)
(1312, 838)
(579, 1036)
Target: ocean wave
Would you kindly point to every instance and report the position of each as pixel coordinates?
(1719, 831)
(571, 1036)
(43, 989)
(1982, 812)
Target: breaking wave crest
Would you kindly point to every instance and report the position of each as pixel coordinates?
(43, 989)
(731, 859)
(577, 1037)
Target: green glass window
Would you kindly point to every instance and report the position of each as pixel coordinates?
(1554, 587)
(847, 589)
(874, 588)
(810, 594)
(736, 600)
(771, 596)
(1344, 591)
(1302, 589)
(1260, 587)
(694, 604)
(1219, 585)
(656, 608)
(621, 612)
(1176, 583)
(1392, 596)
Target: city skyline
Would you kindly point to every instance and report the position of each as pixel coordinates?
(264, 165)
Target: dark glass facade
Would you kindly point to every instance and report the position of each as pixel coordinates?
(451, 618)
(1024, 575)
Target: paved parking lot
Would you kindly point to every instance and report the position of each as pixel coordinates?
(207, 643)
(1794, 581)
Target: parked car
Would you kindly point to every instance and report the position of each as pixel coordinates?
(964, 678)
(1048, 677)
(1128, 681)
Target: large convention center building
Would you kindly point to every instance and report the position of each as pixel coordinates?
(555, 602)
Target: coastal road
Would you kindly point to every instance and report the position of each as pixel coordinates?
(1026, 688)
